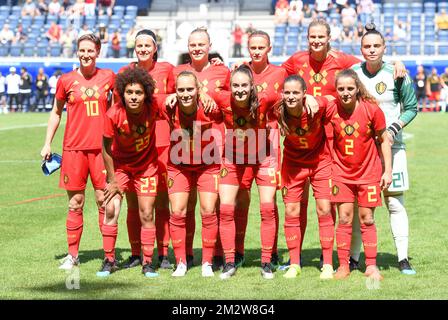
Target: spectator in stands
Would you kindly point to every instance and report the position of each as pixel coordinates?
(105, 6)
(13, 83)
(52, 85)
(441, 20)
(237, 35)
(130, 42)
(388, 35)
(444, 91)
(29, 9)
(41, 90)
(433, 90)
(116, 44)
(421, 91)
(76, 13)
(89, 8)
(347, 35)
(42, 7)
(159, 41)
(250, 28)
(348, 16)
(3, 107)
(336, 31)
(103, 35)
(365, 9)
(66, 6)
(400, 32)
(26, 81)
(6, 35)
(54, 8)
(53, 33)
(20, 36)
(281, 12)
(308, 15)
(67, 41)
(323, 7)
(359, 31)
(84, 30)
(295, 14)
(340, 4)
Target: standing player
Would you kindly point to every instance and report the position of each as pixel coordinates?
(86, 93)
(161, 73)
(130, 159)
(189, 170)
(305, 156)
(245, 118)
(398, 101)
(357, 171)
(213, 79)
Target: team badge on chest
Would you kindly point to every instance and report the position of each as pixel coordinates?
(381, 87)
(349, 129)
(241, 121)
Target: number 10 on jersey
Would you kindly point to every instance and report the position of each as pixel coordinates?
(92, 108)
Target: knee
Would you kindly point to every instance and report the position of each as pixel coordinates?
(292, 211)
(323, 210)
(345, 218)
(146, 216)
(76, 203)
(368, 221)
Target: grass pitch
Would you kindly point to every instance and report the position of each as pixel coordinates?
(32, 234)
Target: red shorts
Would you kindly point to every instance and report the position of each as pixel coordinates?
(294, 179)
(434, 96)
(204, 178)
(163, 154)
(140, 184)
(242, 175)
(368, 195)
(76, 167)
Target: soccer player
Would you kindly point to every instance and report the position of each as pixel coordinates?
(245, 117)
(130, 158)
(161, 72)
(86, 93)
(398, 101)
(305, 156)
(191, 169)
(213, 79)
(357, 173)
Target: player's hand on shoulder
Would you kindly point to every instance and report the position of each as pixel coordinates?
(208, 103)
(171, 101)
(311, 105)
(399, 70)
(216, 61)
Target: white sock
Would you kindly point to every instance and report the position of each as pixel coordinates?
(399, 224)
(355, 246)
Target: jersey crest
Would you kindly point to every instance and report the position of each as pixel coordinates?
(380, 87)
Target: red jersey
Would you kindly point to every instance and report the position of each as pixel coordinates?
(243, 134)
(86, 101)
(193, 140)
(162, 74)
(304, 145)
(214, 79)
(133, 146)
(356, 159)
(319, 76)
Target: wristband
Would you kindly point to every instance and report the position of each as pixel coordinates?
(394, 128)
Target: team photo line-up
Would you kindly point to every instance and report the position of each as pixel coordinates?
(163, 138)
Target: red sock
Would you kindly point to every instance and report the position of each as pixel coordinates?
(241, 216)
(162, 230)
(267, 231)
(277, 222)
(148, 237)
(227, 230)
(369, 239)
(178, 236)
(74, 226)
(293, 238)
(326, 235)
(191, 228)
(303, 219)
(134, 226)
(218, 245)
(343, 240)
(209, 234)
(101, 211)
(109, 238)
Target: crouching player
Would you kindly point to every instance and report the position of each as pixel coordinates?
(130, 158)
(357, 121)
(305, 156)
(190, 168)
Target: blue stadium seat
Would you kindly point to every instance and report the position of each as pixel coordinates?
(416, 7)
(103, 19)
(4, 49)
(443, 48)
(90, 21)
(291, 49)
(400, 48)
(28, 50)
(429, 36)
(346, 47)
(280, 28)
(443, 5)
(119, 11)
(16, 11)
(388, 18)
(15, 50)
(123, 51)
(39, 21)
(277, 51)
(415, 48)
(416, 18)
(5, 9)
(13, 21)
(430, 6)
(55, 50)
(415, 35)
(42, 50)
(403, 8)
(131, 10)
(52, 18)
(389, 8)
(129, 19)
(26, 22)
(115, 20)
(125, 28)
(36, 30)
(428, 48)
(402, 17)
(3, 17)
(294, 29)
(442, 35)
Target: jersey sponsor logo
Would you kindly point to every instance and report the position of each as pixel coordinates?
(284, 191)
(224, 172)
(335, 190)
(380, 87)
(349, 130)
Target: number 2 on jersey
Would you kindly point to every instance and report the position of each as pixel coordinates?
(349, 147)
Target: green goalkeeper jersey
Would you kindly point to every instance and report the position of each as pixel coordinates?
(396, 97)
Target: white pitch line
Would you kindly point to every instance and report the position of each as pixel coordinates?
(407, 136)
(24, 127)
